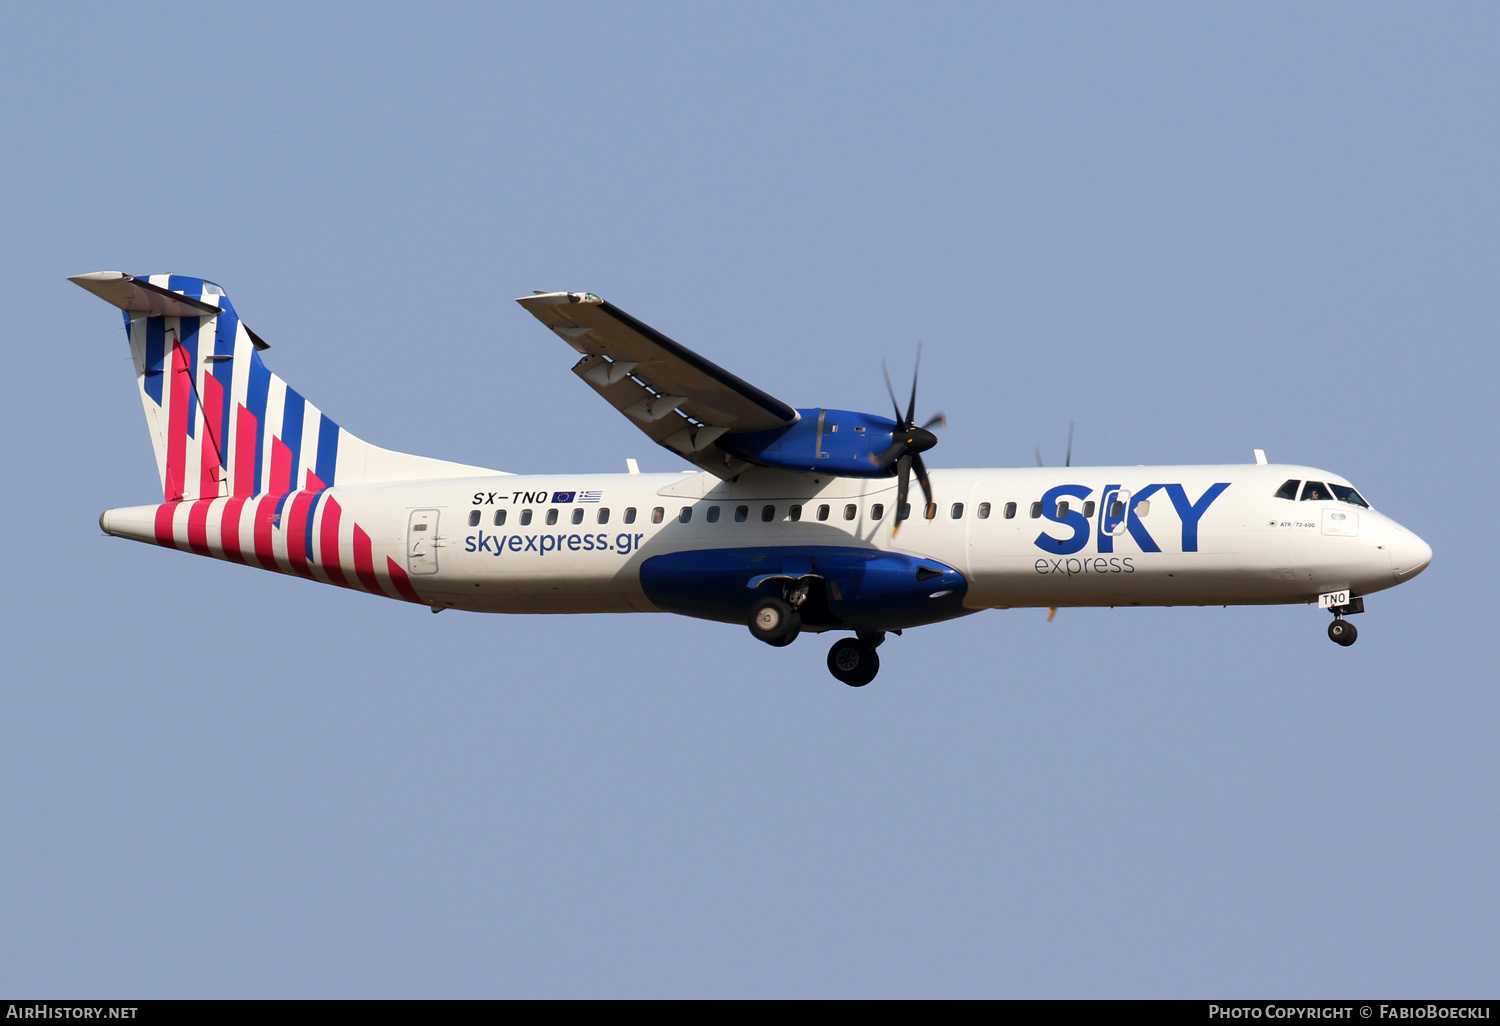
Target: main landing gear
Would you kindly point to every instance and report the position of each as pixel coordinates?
(853, 660)
(777, 621)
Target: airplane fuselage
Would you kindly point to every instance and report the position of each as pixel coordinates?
(1079, 536)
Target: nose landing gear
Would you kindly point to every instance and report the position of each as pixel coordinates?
(1341, 631)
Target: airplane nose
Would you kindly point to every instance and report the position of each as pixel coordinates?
(1409, 554)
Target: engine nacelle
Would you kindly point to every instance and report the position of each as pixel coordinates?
(842, 443)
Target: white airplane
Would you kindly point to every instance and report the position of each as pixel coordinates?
(793, 521)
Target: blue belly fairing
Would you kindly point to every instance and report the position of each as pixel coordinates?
(851, 588)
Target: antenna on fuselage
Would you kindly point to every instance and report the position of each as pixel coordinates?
(1067, 462)
(1067, 459)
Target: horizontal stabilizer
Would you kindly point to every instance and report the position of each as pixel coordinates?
(138, 296)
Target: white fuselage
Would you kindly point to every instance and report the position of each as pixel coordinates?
(575, 543)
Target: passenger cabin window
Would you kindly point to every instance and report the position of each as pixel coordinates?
(473, 520)
(1036, 510)
(657, 515)
(499, 518)
(551, 517)
(767, 514)
(957, 512)
(1088, 510)
(823, 512)
(905, 511)
(878, 510)
(794, 513)
(1062, 508)
(1315, 491)
(578, 515)
(525, 517)
(630, 514)
(1288, 490)
(1143, 507)
(603, 517)
(1116, 510)
(983, 511)
(741, 514)
(1344, 493)
(685, 514)
(713, 514)
(930, 511)
(850, 510)
(1010, 511)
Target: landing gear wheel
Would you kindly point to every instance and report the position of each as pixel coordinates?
(775, 622)
(1342, 632)
(853, 662)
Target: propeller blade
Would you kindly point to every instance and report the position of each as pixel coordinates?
(936, 420)
(888, 458)
(891, 392)
(1039, 456)
(1069, 461)
(902, 482)
(1051, 613)
(911, 407)
(921, 469)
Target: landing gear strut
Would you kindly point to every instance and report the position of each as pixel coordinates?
(853, 660)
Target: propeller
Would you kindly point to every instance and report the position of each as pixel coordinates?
(908, 442)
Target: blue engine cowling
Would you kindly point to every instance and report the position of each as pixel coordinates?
(838, 442)
(852, 588)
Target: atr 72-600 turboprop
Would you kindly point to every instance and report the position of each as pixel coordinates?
(795, 520)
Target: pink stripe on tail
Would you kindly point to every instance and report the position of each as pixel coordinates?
(210, 452)
(245, 426)
(181, 386)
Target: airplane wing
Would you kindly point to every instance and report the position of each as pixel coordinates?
(679, 399)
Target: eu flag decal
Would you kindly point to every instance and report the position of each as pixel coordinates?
(563, 496)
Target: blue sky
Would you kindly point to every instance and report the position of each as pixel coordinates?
(1191, 229)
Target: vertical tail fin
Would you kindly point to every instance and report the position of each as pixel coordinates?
(220, 422)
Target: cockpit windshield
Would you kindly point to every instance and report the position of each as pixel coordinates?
(1317, 491)
(1346, 494)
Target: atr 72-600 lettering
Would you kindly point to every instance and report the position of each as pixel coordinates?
(795, 520)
